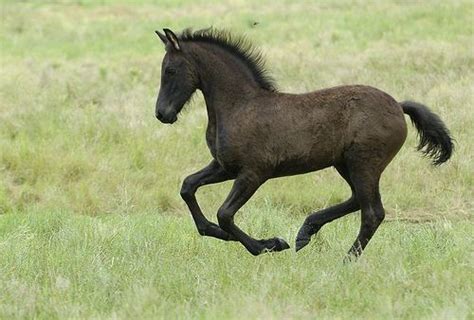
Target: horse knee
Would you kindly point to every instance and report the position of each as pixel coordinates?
(224, 218)
(187, 189)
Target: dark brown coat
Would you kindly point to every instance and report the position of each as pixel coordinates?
(256, 133)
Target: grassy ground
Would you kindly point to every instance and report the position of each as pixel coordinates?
(149, 266)
(92, 224)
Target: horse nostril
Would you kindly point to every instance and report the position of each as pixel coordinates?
(159, 116)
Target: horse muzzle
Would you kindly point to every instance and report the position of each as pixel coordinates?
(166, 117)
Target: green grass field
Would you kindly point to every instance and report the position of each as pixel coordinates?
(91, 222)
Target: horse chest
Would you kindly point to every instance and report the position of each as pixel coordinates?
(211, 140)
(222, 146)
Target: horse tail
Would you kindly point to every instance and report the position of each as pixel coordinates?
(435, 139)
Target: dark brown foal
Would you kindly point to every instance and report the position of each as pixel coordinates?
(256, 133)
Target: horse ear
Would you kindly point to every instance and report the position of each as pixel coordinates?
(162, 37)
(173, 39)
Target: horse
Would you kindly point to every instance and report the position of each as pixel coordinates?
(256, 133)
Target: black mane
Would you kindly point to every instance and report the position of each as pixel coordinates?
(239, 47)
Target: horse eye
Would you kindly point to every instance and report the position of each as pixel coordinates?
(170, 71)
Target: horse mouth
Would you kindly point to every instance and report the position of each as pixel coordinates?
(167, 119)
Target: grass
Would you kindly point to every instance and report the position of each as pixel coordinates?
(149, 266)
(91, 222)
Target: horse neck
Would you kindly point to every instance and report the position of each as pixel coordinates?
(225, 80)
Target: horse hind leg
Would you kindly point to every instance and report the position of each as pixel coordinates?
(366, 184)
(315, 221)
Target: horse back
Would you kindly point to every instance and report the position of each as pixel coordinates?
(288, 134)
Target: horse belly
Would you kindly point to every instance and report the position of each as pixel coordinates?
(290, 168)
(305, 149)
(311, 158)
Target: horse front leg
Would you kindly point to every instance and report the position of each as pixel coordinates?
(244, 187)
(213, 173)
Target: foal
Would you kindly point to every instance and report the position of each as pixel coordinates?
(256, 133)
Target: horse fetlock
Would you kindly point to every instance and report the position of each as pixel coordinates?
(202, 231)
(213, 230)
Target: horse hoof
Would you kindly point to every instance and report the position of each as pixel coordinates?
(274, 245)
(301, 243)
(281, 245)
(303, 237)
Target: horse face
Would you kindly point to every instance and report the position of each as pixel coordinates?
(178, 81)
